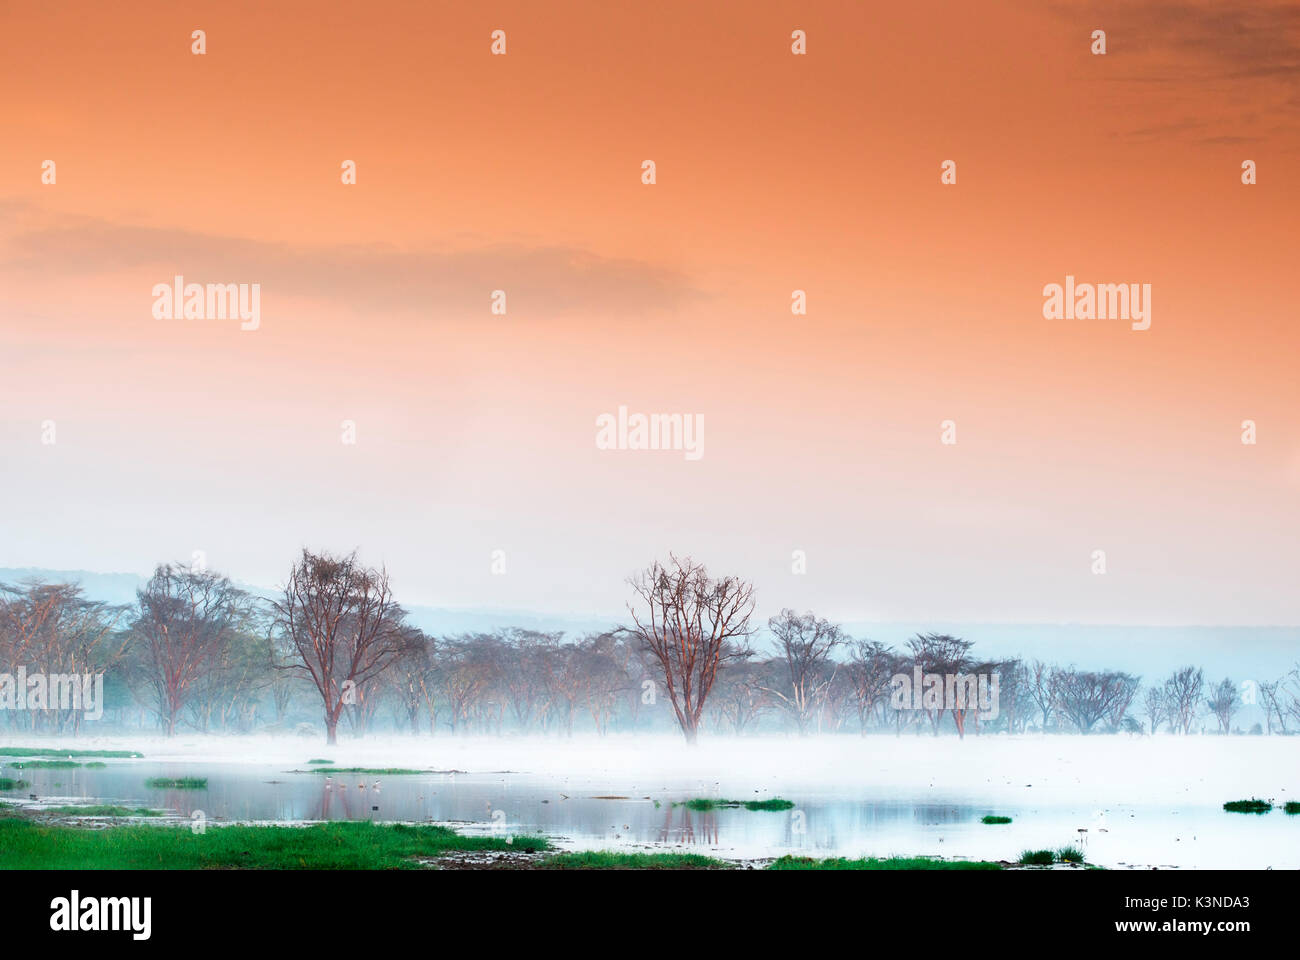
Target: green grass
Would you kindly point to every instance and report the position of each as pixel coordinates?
(1037, 858)
(177, 783)
(609, 860)
(59, 752)
(1253, 805)
(100, 810)
(7, 783)
(376, 771)
(991, 819)
(46, 764)
(1045, 858)
(1292, 806)
(707, 803)
(27, 845)
(878, 863)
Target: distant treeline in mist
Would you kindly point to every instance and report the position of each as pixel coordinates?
(195, 653)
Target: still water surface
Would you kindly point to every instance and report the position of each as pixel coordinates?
(615, 812)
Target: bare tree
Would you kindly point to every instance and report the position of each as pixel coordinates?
(690, 623)
(1156, 707)
(947, 656)
(187, 621)
(871, 666)
(1223, 702)
(601, 677)
(738, 700)
(468, 672)
(805, 643)
(1015, 694)
(408, 677)
(1042, 691)
(1086, 696)
(1183, 693)
(52, 628)
(1273, 698)
(343, 625)
(524, 682)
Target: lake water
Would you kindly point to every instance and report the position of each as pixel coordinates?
(875, 812)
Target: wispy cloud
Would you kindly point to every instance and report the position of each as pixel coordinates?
(44, 246)
(1232, 63)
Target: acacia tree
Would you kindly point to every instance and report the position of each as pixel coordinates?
(947, 656)
(1042, 691)
(690, 624)
(342, 625)
(1280, 699)
(870, 667)
(806, 644)
(524, 687)
(1156, 707)
(187, 621)
(410, 674)
(467, 671)
(1223, 702)
(1183, 695)
(738, 700)
(1087, 696)
(54, 629)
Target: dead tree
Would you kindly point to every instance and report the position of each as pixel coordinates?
(690, 623)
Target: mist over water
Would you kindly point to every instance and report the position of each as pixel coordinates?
(1143, 801)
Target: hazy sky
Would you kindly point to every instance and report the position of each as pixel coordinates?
(476, 432)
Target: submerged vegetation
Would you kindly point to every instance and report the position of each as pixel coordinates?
(708, 803)
(46, 764)
(29, 840)
(881, 863)
(101, 810)
(8, 783)
(1253, 805)
(177, 783)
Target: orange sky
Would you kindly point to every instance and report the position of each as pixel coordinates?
(775, 172)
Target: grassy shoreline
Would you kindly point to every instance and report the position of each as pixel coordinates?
(27, 844)
(30, 840)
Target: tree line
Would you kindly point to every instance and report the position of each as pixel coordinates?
(195, 652)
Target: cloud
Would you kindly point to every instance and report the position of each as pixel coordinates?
(364, 276)
(1213, 57)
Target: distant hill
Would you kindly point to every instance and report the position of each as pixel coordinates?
(107, 587)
